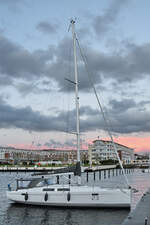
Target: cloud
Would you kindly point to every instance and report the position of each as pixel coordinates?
(123, 117)
(127, 116)
(122, 105)
(123, 67)
(123, 120)
(14, 5)
(63, 67)
(57, 144)
(27, 119)
(16, 61)
(103, 23)
(56, 63)
(33, 88)
(47, 27)
(5, 80)
(54, 144)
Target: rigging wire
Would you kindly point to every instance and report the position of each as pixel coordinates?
(101, 110)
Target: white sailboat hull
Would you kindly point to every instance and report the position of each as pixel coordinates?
(77, 196)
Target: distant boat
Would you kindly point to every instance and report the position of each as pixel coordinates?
(41, 191)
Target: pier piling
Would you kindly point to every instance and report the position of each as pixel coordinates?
(94, 175)
(87, 177)
(99, 174)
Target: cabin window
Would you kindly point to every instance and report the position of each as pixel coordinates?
(50, 181)
(41, 183)
(63, 189)
(48, 189)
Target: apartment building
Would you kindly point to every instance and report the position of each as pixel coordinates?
(10, 154)
(101, 150)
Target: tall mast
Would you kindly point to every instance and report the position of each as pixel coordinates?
(76, 89)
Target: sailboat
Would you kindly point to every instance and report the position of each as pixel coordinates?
(40, 191)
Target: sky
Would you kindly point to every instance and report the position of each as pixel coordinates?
(37, 106)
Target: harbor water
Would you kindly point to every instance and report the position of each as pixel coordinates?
(17, 214)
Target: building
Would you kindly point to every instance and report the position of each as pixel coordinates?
(14, 155)
(104, 150)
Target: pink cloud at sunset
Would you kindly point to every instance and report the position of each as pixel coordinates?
(140, 144)
(34, 147)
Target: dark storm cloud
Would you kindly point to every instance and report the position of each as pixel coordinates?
(5, 80)
(132, 65)
(27, 119)
(130, 122)
(63, 68)
(47, 27)
(15, 61)
(56, 64)
(128, 116)
(102, 23)
(122, 105)
(123, 120)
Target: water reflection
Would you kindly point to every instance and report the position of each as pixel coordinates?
(20, 214)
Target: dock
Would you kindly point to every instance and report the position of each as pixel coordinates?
(49, 169)
(141, 214)
(28, 169)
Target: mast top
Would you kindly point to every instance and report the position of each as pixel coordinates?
(72, 21)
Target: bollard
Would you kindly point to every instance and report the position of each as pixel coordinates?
(94, 175)
(69, 176)
(104, 174)
(57, 179)
(87, 176)
(113, 172)
(99, 174)
(108, 173)
(145, 220)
